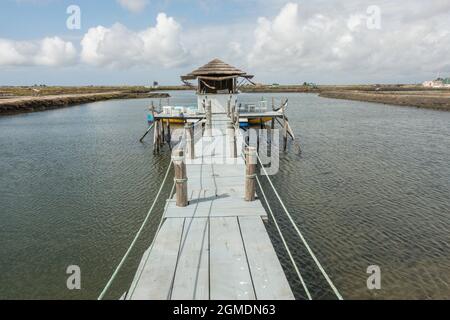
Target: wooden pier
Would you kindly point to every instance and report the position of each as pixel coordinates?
(217, 246)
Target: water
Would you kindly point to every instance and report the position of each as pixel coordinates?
(371, 187)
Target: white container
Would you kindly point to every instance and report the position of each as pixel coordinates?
(167, 110)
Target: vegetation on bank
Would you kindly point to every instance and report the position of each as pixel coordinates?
(24, 103)
(15, 100)
(428, 99)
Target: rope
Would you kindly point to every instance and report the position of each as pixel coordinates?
(108, 285)
(154, 238)
(322, 270)
(284, 241)
(318, 264)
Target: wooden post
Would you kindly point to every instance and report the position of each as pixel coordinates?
(228, 108)
(190, 143)
(155, 137)
(250, 183)
(169, 135)
(233, 108)
(161, 133)
(285, 129)
(180, 178)
(231, 135)
(209, 118)
(153, 111)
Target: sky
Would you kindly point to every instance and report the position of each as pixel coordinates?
(136, 42)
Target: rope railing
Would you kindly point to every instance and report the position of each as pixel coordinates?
(127, 253)
(155, 236)
(299, 233)
(284, 241)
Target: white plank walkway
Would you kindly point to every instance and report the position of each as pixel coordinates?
(218, 247)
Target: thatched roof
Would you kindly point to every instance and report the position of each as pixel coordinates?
(216, 68)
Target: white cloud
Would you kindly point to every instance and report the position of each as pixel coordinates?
(308, 39)
(46, 52)
(319, 38)
(134, 6)
(120, 47)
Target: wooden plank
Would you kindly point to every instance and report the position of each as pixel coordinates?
(155, 280)
(269, 280)
(192, 274)
(229, 273)
(223, 206)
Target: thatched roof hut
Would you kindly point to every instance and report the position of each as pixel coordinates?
(216, 77)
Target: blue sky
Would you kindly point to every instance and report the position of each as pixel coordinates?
(138, 41)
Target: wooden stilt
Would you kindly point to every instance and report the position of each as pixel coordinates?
(169, 135)
(250, 179)
(180, 178)
(155, 137)
(163, 133)
(152, 108)
(285, 130)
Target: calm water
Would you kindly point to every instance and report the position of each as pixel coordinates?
(371, 187)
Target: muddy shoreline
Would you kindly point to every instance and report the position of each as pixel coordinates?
(27, 104)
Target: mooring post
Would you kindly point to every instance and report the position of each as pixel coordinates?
(231, 135)
(190, 143)
(250, 183)
(180, 178)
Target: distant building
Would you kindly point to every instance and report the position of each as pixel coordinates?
(438, 83)
(155, 85)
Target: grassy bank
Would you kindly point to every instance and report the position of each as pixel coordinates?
(15, 101)
(402, 95)
(438, 100)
